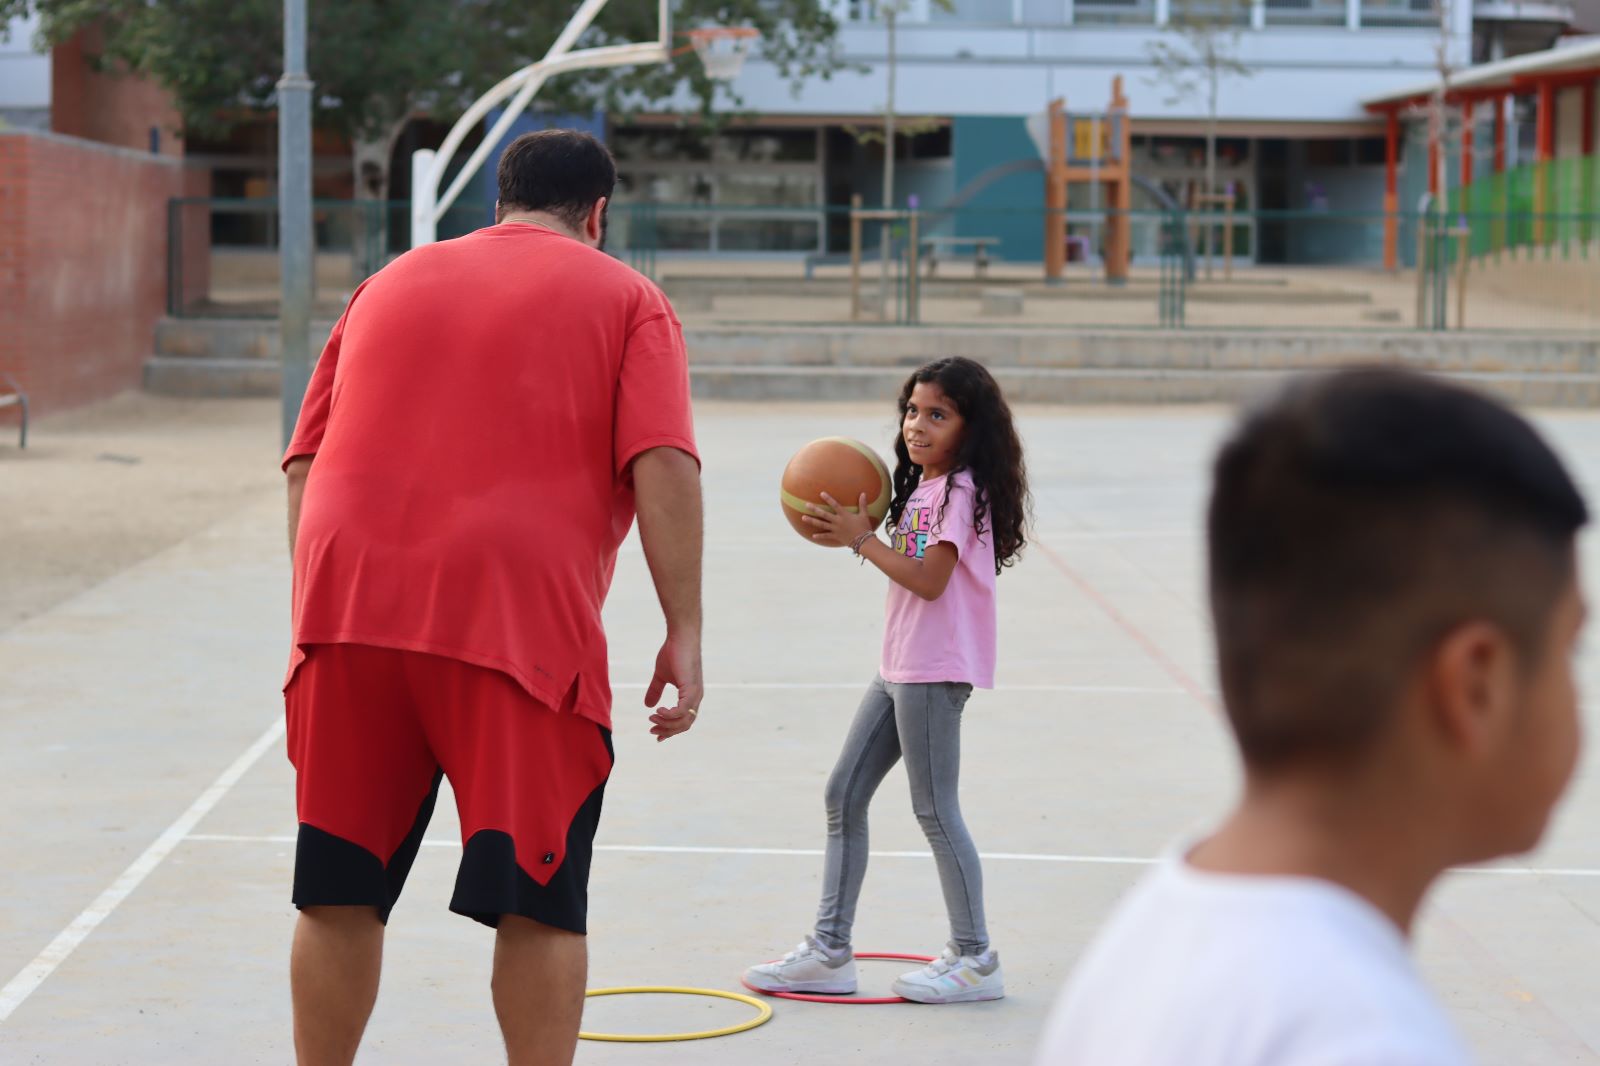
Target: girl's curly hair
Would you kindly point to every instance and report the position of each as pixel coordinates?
(990, 451)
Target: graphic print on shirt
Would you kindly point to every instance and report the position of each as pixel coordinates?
(911, 537)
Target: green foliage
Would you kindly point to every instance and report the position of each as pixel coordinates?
(376, 61)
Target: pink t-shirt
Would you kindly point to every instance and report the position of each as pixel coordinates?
(951, 638)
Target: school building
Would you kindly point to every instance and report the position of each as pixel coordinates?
(1295, 135)
(1518, 154)
(1324, 124)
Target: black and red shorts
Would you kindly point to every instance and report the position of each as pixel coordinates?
(371, 733)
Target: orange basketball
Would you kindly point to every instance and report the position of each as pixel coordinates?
(841, 467)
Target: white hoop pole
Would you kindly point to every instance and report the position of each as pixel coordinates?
(422, 225)
(427, 207)
(536, 75)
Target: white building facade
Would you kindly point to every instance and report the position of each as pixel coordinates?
(1293, 134)
(24, 77)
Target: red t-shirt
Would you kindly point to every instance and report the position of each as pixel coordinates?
(473, 418)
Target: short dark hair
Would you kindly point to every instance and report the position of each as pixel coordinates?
(562, 172)
(1355, 519)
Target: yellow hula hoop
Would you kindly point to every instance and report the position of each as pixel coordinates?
(761, 1018)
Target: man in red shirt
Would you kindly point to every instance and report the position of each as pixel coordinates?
(487, 417)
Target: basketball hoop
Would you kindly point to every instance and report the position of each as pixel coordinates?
(722, 49)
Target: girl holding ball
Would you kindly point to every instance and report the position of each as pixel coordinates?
(957, 517)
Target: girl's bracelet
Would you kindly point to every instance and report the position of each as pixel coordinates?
(855, 545)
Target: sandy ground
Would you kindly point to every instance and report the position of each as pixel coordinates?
(103, 487)
(149, 822)
(1509, 296)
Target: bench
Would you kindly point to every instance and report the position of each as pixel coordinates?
(933, 246)
(11, 395)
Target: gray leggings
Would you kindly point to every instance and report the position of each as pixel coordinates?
(923, 723)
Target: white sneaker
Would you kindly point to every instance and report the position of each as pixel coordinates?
(808, 968)
(953, 978)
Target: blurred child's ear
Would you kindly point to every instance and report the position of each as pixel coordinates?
(1470, 688)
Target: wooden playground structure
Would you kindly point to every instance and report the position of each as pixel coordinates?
(1095, 150)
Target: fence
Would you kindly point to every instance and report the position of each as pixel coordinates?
(239, 274)
(1521, 270)
(1512, 212)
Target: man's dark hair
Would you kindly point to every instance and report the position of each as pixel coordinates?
(562, 172)
(1356, 519)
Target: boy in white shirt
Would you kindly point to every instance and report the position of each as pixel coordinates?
(1395, 593)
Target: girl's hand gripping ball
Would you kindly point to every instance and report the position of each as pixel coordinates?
(827, 471)
(837, 527)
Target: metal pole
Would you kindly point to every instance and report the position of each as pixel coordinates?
(913, 274)
(855, 257)
(1227, 242)
(1424, 213)
(295, 269)
(889, 12)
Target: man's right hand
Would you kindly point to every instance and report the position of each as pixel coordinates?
(678, 665)
(666, 485)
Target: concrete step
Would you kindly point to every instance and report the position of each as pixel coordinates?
(693, 293)
(190, 376)
(1110, 349)
(1057, 385)
(225, 338)
(185, 375)
(880, 346)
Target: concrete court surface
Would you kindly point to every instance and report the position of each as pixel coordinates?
(149, 811)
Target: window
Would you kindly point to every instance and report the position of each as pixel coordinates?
(752, 189)
(766, 189)
(766, 235)
(683, 233)
(933, 144)
(1332, 153)
(670, 187)
(1371, 151)
(990, 12)
(766, 146)
(659, 145)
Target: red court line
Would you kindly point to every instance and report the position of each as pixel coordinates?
(1151, 648)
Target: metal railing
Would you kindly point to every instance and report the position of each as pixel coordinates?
(222, 255)
(1047, 14)
(1511, 215)
(1306, 13)
(1522, 269)
(1114, 12)
(1398, 14)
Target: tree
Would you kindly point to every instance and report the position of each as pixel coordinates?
(891, 10)
(1439, 111)
(378, 63)
(1202, 51)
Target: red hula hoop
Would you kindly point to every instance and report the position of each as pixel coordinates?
(858, 1001)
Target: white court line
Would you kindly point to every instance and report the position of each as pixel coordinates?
(20, 987)
(998, 856)
(672, 849)
(800, 547)
(857, 686)
(1124, 534)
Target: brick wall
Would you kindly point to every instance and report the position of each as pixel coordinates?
(111, 108)
(83, 263)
